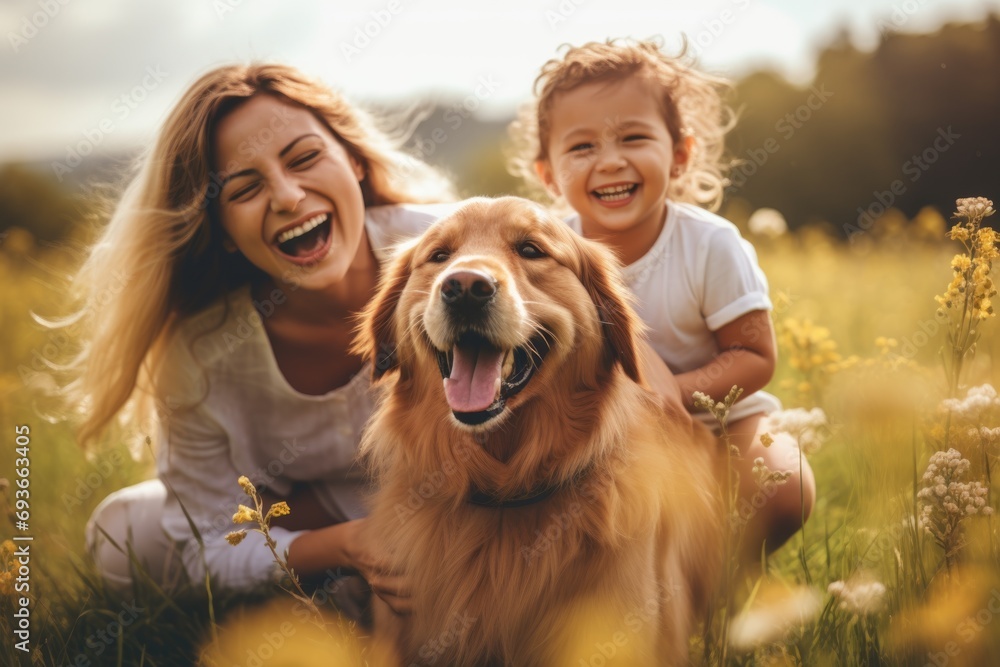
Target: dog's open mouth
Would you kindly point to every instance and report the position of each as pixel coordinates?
(479, 377)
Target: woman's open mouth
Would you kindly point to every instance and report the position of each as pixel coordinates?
(479, 377)
(307, 242)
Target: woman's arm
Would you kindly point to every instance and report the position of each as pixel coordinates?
(307, 511)
(747, 359)
(346, 545)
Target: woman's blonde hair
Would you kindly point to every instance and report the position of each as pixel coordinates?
(160, 257)
(691, 103)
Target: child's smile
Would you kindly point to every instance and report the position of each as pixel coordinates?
(618, 194)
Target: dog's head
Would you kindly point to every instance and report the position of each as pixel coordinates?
(504, 300)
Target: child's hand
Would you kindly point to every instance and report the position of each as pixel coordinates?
(662, 382)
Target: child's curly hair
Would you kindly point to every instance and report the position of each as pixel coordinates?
(691, 102)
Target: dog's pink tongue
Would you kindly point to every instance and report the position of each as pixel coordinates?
(473, 382)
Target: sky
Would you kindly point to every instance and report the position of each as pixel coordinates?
(104, 73)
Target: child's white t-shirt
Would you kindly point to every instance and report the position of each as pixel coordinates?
(226, 410)
(700, 275)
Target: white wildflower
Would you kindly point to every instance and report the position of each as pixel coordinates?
(977, 401)
(808, 427)
(718, 410)
(769, 622)
(859, 596)
(942, 483)
(974, 207)
(764, 476)
(989, 436)
(767, 222)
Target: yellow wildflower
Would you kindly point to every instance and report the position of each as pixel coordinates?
(280, 508)
(247, 485)
(766, 439)
(968, 297)
(246, 515)
(961, 262)
(236, 537)
(959, 233)
(6, 584)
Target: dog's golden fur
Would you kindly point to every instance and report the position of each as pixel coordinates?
(624, 552)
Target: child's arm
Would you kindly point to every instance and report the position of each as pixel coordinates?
(747, 359)
(664, 383)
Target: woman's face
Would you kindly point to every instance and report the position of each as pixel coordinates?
(290, 197)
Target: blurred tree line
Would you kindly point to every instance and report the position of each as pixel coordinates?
(910, 124)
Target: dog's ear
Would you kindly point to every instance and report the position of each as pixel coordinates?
(375, 334)
(600, 273)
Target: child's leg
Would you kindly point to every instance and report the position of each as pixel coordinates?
(772, 513)
(131, 517)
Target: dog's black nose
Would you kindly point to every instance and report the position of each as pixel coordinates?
(468, 288)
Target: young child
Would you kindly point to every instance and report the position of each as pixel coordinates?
(632, 141)
(222, 293)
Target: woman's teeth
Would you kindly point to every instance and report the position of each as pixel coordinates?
(615, 192)
(308, 225)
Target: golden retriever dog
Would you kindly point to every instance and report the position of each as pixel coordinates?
(543, 507)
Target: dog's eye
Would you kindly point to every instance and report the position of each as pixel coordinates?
(529, 250)
(439, 256)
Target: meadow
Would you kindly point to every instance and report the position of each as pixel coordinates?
(890, 569)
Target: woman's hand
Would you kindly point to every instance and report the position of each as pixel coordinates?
(373, 566)
(348, 545)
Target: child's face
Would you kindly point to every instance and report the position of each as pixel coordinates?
(611, 156)
(290, 201)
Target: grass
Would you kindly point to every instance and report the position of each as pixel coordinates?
(881, 401)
